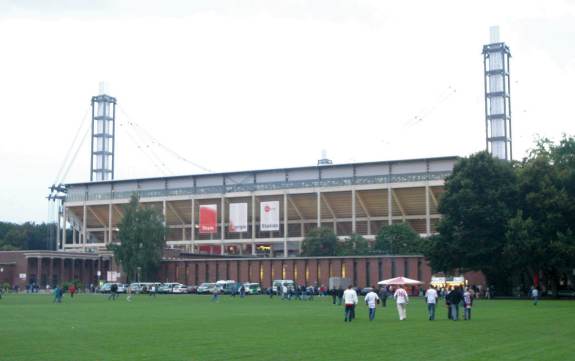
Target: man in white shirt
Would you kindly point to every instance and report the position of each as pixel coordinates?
(371, 299)
(401, 300)
(349, 300)
(431, 299)
(535, 295)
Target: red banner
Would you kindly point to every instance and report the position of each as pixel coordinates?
(208, 218)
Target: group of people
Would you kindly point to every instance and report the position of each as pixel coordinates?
(297, 292)
(454, 298)
(58, 292)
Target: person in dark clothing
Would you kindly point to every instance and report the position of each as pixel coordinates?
(339, 295)
(455, 298)
(58, 295)
(448, 302)
(383, 294)
(113, 292)
(333, 293)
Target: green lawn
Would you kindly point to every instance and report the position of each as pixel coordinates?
(188, 327)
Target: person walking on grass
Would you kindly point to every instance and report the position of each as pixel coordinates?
(129, 294)
(72, 290)
(431, 300)
(333, 293)
(383, 294)
(216, 295)
(455, 298)
(467, 304)
(350, 300)
(113, 292)
(401, 301)
(339, 295)
(535, 295)
(371, 300)
(57, 294)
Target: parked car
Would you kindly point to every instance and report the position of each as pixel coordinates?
(168, 287)
(366, 290)
(107, 287)
(566, 293)
(180, 288)
(192, 289)
(206, 287)
(143, 287)
(252, 288)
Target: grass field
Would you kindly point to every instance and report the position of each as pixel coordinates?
(187, 327)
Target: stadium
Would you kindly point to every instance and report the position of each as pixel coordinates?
(348, 198)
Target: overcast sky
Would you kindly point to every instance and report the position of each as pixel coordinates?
(242, 85)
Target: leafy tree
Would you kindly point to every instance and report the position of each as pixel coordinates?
(437, 250)
(24, 236)
(480, 198)
(319, 242)
(356, 245)
(540, 236)
(142, 236)
(398, 238)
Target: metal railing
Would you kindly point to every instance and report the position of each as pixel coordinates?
(253, 187)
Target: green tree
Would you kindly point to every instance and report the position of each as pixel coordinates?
(398, 238)
(479, 200)
(356, 245)
(319, 242)
(142, 239)
(437, 250)
(16, 238)
(25, 236)
(540, 236)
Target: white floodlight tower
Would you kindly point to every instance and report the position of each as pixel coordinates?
(497, 97)
(103, 136)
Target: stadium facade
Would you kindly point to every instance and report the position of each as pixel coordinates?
(261, 212)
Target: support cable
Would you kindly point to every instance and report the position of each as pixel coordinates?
(82, 124)
(142, 149)
(155, 141)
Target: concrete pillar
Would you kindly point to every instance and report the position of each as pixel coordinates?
(39, 271)
(83, 272)
(353, 212)
(389, 206)
(193, 225)
(110, 212)
(64, 227)
(165, 218)
(318, 209)
(253, 224)
(62, 270)
(85, 223)
(73, 268)
(223, 225)
(285, 225)
(427, 212)
(58, 228)
(50, 270)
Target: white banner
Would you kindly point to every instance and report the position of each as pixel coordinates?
(238, 217)
(270, 216)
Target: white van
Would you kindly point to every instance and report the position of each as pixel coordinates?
(290, 284)
(227, 286)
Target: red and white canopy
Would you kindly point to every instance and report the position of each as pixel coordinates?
(399, 281)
